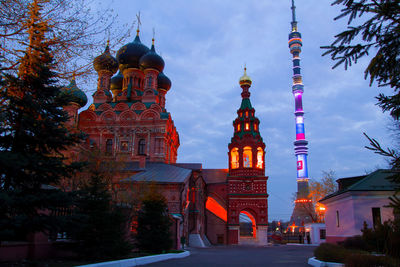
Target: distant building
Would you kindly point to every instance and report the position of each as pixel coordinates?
(359, 199)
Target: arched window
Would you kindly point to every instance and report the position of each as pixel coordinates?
(235, 158)
(247, 157)
(238, 127)
(247, 114)
(255, 126)
(149, 81)
(247, 126)
(109, 145)
(260, 158)
(142, 147)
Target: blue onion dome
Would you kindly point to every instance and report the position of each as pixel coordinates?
(129, 55)
(74, 93)
(116, 82)
(106, 61)
(163, 82)
(151, 60)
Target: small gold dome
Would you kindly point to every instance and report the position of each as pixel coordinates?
(245, 80)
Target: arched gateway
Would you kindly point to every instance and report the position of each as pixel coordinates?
(247, 183)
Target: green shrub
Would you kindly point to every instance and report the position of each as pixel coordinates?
(358, 260)
(330, 252)
(355, 242)
(335, 253)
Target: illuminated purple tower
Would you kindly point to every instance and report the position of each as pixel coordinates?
(303, 211)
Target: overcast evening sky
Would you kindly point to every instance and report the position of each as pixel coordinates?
(206, 43)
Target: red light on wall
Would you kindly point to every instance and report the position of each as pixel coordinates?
(214, 207)
(302, 200)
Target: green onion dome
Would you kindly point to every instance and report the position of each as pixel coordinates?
(116, 82)
(75, 94)
(151, 60)
(129, 55)
(106, 61)
(163, 82)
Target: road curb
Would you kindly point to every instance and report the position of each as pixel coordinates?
(139, 261)
(317, 263)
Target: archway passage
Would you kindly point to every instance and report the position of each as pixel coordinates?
(248, 227)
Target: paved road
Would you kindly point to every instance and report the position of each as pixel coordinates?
(244, 256)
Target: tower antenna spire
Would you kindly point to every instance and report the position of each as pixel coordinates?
(294, 22)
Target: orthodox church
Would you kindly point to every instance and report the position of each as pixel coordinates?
(128, 122)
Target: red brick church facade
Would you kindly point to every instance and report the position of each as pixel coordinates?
(128, 121)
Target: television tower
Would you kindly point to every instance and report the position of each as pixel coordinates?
(303, 211)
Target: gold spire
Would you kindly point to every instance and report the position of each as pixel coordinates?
(245, 79)
(108, 42)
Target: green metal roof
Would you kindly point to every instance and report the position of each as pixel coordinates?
(246, 104)
(376, 181)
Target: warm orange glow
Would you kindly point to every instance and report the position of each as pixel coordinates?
(247, 114)
(238, 127)
(214, 207)
(247, 157)
(255, 127)
(253, 221)
(235, 158)
(322, 208)
(247, 126)
(302, 200)
(260, 160)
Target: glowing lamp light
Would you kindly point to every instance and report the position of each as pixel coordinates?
(322, 208)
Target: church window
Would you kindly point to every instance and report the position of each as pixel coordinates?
(109, 144)
(240, 114)
(149, 81)
(260, 158)
(247, 126)
(142, 147)
(92, 143)
(247, 157)
(235, 158)
(247, 114)
(238, 127)
(255, 126)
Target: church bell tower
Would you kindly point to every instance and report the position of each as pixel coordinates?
(247, 183)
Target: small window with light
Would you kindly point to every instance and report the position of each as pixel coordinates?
(247, 157)
(255, 126)
(247, 114)
(235, 158)
(238, 127)
(260, 158)
(247, 126)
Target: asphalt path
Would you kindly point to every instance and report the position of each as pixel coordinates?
(282, 255)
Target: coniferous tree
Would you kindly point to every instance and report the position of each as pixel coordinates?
(378, 33)
(100, 224)
(32, 137)
(153, 224)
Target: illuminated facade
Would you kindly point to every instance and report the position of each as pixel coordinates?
(247, 183)
(303, 211)
(129, 124)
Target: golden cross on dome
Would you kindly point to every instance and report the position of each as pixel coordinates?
(154, 34)
(138, 22)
